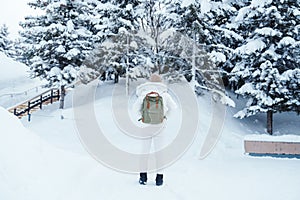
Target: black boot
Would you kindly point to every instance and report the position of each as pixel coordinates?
(159, 179)
(143, 178)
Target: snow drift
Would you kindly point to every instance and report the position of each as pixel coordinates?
(30, 167)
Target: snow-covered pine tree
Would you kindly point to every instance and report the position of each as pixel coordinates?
(208, 24)
(171, 46)
(57, 41)
(117, 23)
(142, 23)
(161, 49)
(154, 21)
(269, 58)
(5, 42)
(117, 53)
(291, 81)
(152, 31)
(112, 15)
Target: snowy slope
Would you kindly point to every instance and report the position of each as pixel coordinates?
(30, 167)
(15, 83)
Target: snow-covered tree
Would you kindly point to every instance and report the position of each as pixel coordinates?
(208, 25)
(145, 24)
(291, 81)
(119, 52)
(112, 15)
(156, 23)
(5, 42)
(210, 22)
(268, 57)
(116, 22)
(57, 41)
(154, 29)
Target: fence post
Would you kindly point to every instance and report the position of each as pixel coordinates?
(28, 111)
(28, 108)
(51, 99)
(41, 101)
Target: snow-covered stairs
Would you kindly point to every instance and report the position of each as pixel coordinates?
(36, 103)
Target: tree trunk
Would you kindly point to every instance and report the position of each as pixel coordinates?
(62, 97)
(127, 67)
(270, 122)
(116, 77)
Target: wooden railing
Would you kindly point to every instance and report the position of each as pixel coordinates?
(26, 92)
(25, 108)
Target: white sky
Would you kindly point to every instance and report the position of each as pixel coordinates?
(12, 12)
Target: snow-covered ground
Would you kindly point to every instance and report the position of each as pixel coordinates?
(15, 84)
(44, 159)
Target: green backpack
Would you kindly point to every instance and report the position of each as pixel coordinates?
(152, 109)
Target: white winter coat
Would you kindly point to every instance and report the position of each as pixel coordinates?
(158, 87)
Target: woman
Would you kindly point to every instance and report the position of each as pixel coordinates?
(157, 87)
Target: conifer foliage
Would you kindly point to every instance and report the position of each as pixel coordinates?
(56, 42)
(269, 57)
(270, 53)
(5, 42)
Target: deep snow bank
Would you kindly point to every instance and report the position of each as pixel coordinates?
(14, 76)
(30, 167)
(19, 154)
(20, 149)
(11, 70)
(15, 83)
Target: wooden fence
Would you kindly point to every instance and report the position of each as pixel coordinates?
(35, 103)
